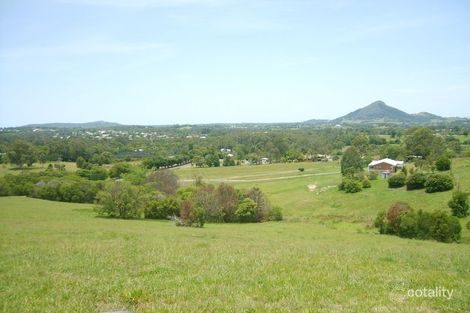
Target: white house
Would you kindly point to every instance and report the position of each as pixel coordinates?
(385, 166)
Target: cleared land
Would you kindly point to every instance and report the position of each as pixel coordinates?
(325, 257)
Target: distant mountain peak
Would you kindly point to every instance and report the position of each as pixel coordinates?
(379, 112)
(378, 103)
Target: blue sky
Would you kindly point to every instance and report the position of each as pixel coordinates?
(203, 61)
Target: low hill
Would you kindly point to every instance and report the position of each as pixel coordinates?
(96, 124)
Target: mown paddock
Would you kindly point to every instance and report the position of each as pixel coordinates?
(59, 257)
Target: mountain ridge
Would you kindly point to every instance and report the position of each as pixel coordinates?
(95, 124)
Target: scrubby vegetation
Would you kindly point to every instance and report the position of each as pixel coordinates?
(403, 221)
(50, 185)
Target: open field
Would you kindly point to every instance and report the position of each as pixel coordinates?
(58, 257)
(288, 187)
(325, 257)
(11, 169)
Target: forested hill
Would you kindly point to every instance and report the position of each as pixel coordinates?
(378, 111)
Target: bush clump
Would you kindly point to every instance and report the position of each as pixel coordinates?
(366, 183)
(226, 204)
(443, 163)
(162, 209)
(416, 181)
(401, 220)
(439, 182)
(396, 181)
(459, 204)
(120, 200)
(350, 185)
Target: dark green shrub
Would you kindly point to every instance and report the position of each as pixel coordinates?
(416, 181)
(445, 228)
(438, 182)
(459, 204)
(443, 163)
(366, 183)
(301, 169)
(350, 185)
(424, 220)
(396, 181)
(408, 227)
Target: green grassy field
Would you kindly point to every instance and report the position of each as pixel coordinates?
(325, 257)
(36, 167)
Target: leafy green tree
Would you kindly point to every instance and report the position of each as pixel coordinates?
(42, 153)
(21, 152)
(361, 144)
(212, 160)
(198, 161)
(351, 162)
(419, 141)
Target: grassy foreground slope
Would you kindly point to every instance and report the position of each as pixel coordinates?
(58, 257)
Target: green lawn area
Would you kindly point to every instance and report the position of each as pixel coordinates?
(325, 257)
(36, 167)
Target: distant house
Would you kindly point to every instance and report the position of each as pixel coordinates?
(385, 166)
(322, 158)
